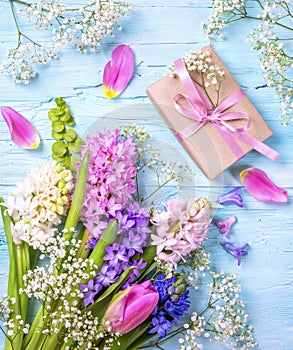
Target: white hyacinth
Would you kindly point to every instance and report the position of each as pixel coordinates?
(38, 203)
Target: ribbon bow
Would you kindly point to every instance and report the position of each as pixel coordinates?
(201, 112)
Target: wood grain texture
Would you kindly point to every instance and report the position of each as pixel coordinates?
(159, 31)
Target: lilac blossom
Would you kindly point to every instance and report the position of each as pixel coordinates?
(231, 197)
(225, 225)
(111, 177)
(237, 252)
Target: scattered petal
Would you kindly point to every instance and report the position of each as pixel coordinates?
(237, 252)
(21, 130)
(225, 225)
(261, 187)
(118, 71)
(231, 197)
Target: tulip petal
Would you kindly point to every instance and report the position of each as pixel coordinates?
(21, 130)
(261, 187)
(118, 71)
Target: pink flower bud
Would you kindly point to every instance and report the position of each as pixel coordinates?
(131, 307)
(21, 130)
(261, 187)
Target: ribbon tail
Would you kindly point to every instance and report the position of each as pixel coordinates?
(258, 146)
(188, 131)
(235, 148)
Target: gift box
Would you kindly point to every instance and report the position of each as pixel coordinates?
(215, 138)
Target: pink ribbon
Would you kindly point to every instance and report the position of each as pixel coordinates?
(201, 112)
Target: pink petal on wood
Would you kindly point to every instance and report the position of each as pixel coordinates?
(118, 71)
(21, 130)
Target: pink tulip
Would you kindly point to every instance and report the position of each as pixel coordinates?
(261, 187)
(118, 71)
(21, 130)
(131, 307)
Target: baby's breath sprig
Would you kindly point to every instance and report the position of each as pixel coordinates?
(267, 39)
(165, 173)
(85, 26)
(210, 75)
(67, 140)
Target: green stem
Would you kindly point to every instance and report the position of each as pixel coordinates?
(156, 190)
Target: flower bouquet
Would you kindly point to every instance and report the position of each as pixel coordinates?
(96, 264)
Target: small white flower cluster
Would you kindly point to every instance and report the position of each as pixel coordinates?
(166, 173)
(200, 62)
(223, 319)
(61, 297)
(86, 26)
(13, 323)
(139, 133)
(222, 11)
(196, 266)
(38, 203)
(274, 55)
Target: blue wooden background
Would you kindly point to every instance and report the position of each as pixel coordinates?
(159, 31)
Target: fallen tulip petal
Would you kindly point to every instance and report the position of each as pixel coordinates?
(261, 187)
(21, 130)
(118, 71)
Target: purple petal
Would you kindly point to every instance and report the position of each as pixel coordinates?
(261, 187)
(21, 130)
(237, 252)
(118, 71)
(231, 197)
(225, 225)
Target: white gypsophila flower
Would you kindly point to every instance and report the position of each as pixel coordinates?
(38, 203)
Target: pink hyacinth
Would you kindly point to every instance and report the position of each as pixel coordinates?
(181, 228)
(110, 182)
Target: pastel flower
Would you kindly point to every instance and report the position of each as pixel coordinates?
(118, 71)
(111, 178)
(231, 197)
(21, 130)
(181, 228)
(225, 225)
(261, 187)
(131, 307)
(237, 252)
(39, 202)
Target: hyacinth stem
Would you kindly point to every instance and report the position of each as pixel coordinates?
(19, 264)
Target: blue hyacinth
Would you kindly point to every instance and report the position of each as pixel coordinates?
(173, 304)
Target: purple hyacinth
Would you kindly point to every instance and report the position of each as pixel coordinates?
(231, 197)
(225, 225)
(173, 304)
(90, 291)
(132, 237)
(237, 252)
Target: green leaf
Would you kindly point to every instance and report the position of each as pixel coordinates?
(70, 135)
(75, 145)
(74, 211)
(53, 114)
(60, 102)
(57, 135)
(66, 115)
(57, 126)
(69, 122)
(74, 160)
(59, 148)
(66, 161)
